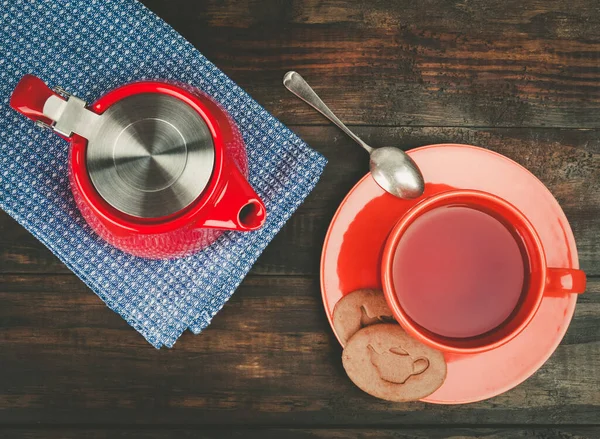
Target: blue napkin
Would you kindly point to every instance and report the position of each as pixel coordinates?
(89, 47)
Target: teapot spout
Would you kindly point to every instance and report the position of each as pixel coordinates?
(238, 207)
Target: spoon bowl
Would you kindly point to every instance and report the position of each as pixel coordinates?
(396, 172)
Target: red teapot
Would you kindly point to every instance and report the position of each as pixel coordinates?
(157, 169)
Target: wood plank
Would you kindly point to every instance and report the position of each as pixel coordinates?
(481, 63)
(268, 358)
(567, 161)
(309, 433)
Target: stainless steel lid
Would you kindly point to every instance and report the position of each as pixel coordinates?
(150, 155)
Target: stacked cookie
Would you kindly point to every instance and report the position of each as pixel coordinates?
(379, 357)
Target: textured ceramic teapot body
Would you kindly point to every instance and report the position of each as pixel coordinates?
(175, 206)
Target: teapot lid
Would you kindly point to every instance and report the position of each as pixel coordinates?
(150, 155)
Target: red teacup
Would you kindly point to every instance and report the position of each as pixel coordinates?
(464, 271)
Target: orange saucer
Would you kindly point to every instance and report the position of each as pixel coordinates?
(354, 243)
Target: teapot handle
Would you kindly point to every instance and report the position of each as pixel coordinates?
(29, 97)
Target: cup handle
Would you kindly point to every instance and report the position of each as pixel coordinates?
(565, 281)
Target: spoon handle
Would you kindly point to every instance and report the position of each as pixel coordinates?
(297, 85)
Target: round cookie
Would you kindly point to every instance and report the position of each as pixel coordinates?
(357, 310)
(385, 362)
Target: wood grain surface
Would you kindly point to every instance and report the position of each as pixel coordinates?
(301, 433)
(518, 77)
(411, 62)
(269, 357)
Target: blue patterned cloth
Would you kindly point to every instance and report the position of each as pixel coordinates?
(89, 47)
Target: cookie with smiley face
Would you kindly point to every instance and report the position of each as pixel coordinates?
(383, 361)
(359, 309)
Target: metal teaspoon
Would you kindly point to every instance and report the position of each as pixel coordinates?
(391, 167)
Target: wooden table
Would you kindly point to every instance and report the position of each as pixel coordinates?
(518, 77)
